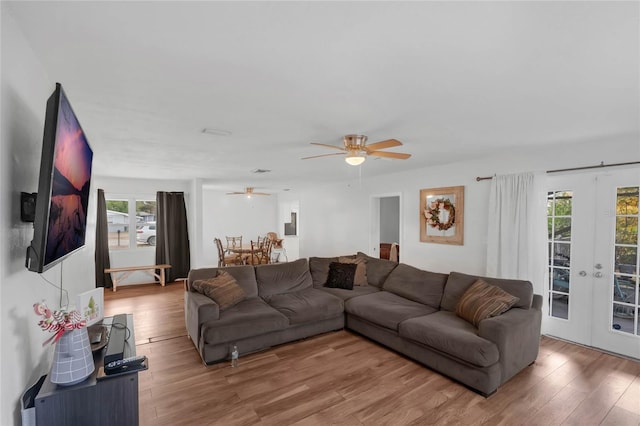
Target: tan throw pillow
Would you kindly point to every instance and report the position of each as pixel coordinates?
(361, 269)
(483, 300)
(223, 289)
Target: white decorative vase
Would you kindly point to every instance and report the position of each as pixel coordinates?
(72, 359)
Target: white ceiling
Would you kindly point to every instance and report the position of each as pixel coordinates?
(450, 80)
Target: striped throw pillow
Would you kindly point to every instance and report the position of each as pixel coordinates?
(222, 289)
(483, 300)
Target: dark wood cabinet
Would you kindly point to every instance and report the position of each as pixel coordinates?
(95, 401)
(385, 248)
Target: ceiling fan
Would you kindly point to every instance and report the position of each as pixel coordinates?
(248, 191)
(356, 149)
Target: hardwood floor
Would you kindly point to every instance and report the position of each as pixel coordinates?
(344, 379)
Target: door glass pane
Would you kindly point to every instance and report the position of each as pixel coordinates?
(625, 298)
(559, 207)
(562, 228)
(626, 230)
(626, 259)
(562, 203)
(118, 223)
(562, 254)
(627, 202)
(560, 282)
(559, 305)
(624, 289)
(623, 318)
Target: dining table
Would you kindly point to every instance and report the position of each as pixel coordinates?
(244, 249)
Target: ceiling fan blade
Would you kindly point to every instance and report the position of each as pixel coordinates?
(341, 148)
(396, 155)
(236, 193)
(389, 143)
(323, 155)
(259, 193)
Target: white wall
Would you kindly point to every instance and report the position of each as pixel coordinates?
(234, 215)
(24, 92)
(335, 215)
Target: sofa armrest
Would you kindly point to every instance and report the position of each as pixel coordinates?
(516, 333)
(537, 302)
(198, 309)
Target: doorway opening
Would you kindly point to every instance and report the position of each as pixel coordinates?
(386, 214)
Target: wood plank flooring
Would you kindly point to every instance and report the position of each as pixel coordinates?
(344, 379)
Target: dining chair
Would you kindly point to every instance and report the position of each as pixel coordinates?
(226, 259)
(266, 250)
(234, 243)
(277, 248)
(260, 252)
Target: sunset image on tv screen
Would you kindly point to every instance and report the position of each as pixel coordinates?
(70, 188)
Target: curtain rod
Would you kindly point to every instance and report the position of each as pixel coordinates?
(599, 166)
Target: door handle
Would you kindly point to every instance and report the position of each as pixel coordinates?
(598, 266)
(598, 274)
(582, 273)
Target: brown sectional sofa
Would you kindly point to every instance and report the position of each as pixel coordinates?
(404, 308)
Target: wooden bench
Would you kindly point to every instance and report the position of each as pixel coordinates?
(128, 270)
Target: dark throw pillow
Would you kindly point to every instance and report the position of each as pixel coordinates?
(360, 277)
(222, 289)
(483, 300)
(341, 275)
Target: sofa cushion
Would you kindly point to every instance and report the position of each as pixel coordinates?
(415, 284)
(377, 269)
(306, 305)
(360, 278)
(251, 317)
(319, 269)
(348, 294)
(279, 278)
(244, 275)
(458, 283)
(222, 289)
(450, 334)
(386, 309)
(341, 275)
(482, 301)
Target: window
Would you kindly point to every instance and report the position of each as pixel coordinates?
(118, 223)
(131, 222)
(559, 205)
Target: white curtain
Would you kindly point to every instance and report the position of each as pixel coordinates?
(513, 240)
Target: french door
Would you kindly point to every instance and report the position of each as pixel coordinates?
(592, 295)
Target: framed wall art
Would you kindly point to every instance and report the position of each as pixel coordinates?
(442, 215)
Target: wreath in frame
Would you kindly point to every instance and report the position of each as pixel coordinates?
(432, 214)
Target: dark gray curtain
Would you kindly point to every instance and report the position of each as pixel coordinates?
(172, 237)
(102, 244)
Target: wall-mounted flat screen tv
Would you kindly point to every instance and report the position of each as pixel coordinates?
(60, 223)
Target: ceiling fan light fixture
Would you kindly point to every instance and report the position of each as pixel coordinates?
(354, 158)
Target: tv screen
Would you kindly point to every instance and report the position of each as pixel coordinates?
(60, 223)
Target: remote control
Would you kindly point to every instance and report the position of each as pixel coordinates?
(125, 363)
